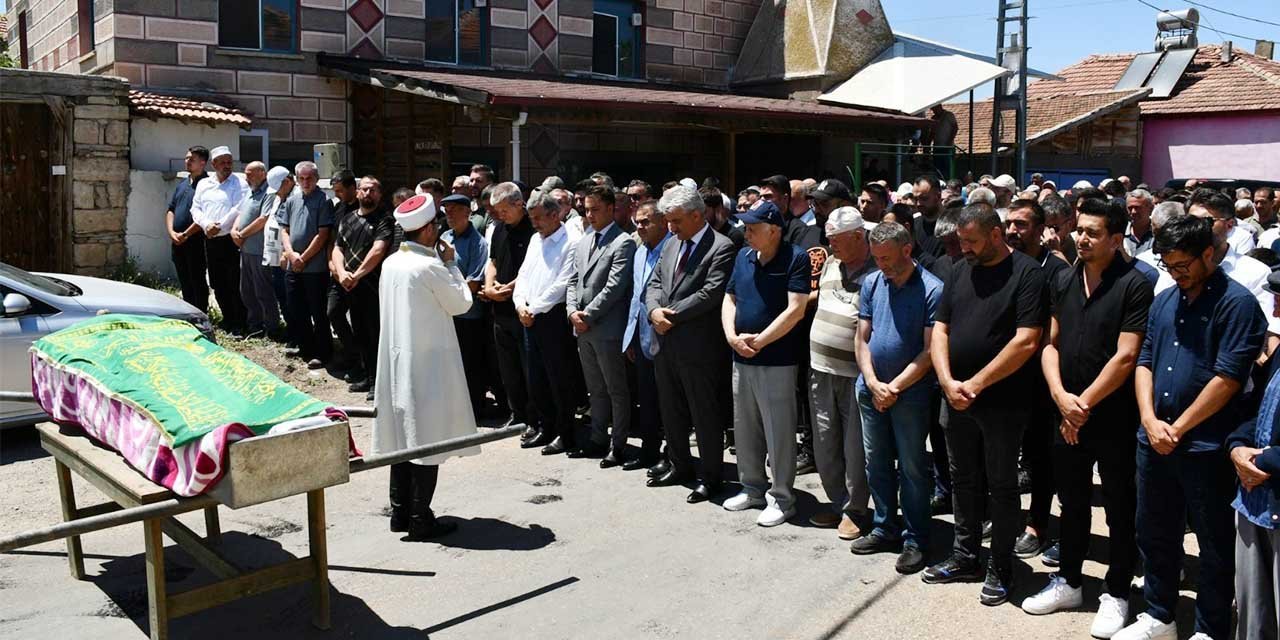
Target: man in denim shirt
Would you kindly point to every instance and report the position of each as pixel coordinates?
(473, 255)
(1202, 339)
(638, 341)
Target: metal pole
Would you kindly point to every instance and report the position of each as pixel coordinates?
(971, 152)
(175, 506)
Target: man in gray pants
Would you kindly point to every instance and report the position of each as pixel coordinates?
(262, 313)
(597, 301)
(763, 303)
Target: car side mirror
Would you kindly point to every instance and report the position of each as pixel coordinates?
(16, 304)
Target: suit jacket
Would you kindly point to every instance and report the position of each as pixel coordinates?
(694, 297)
(601, 285)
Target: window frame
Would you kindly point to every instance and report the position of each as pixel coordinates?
(485, 27)
(637, 7)
(295, 32)
(265, 134)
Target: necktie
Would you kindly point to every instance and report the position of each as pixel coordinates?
(684, 256)
(596, 245)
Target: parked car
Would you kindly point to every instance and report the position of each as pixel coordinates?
(37, 304)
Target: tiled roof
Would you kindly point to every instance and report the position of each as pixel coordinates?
(1209, 85)
(497, 90)
(158, 105)
(1046, 116)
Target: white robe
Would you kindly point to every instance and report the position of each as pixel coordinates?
(420, 390)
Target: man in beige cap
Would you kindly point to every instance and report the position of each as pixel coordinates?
(420, 388)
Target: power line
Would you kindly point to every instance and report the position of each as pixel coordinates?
(990, 17)
(1234, 15)
(1209, 27)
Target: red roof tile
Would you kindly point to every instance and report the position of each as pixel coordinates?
(1046, 116)
(154, 104)
(1209, 85)
(529, 92)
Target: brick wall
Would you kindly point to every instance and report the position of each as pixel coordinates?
(695, 41)
(100, 183)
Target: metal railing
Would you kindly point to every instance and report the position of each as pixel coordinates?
(908, 161)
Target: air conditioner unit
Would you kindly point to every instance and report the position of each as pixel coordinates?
(637, 19)
(330, 157)
(482, 3)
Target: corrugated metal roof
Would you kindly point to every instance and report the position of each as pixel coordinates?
(185, 108)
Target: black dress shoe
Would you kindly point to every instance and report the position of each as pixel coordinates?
(638, 463)
(540, 440)
(589, 450)
(530, 432)
(612, 459)
(659, 469)
(700, 493)
(669, 479)
(293, 352)
(360, 386)
(556, 446)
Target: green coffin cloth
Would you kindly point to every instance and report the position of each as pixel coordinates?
(164, 368)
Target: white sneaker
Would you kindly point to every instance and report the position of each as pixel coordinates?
(1112, 613)
(742, 501)
(772, 516)
(1200, 635)
(1147, 628)
(1055, 596)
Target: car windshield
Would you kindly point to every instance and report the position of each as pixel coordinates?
(44, 284)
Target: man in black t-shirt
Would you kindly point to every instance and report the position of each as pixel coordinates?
(1024, 228)
(988, 327)
(366, 232)
(506, 253)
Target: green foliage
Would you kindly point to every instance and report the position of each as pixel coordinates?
(6, 62)
(132, 273)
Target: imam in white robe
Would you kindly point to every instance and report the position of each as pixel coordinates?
(420, 391)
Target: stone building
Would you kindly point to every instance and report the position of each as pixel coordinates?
(423, 88)
(64, 147)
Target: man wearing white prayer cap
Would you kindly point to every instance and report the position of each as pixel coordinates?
(214, 208)
(420, 389)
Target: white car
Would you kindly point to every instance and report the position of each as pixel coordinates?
(37, 304)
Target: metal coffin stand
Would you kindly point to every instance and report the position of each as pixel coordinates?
(258, 470)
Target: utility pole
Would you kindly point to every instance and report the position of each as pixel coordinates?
(1011, 93)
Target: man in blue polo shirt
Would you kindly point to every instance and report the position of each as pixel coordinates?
(1201, 341)
(186, 236)
(764, 301)
(306, 222)
(473, 255)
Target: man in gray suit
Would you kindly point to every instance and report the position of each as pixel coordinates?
(683, 299)
(597, 301)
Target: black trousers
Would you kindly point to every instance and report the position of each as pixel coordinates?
(551, 354)
(690, 394)
(471, 341)
(309, 326)
(508, 340)
(1037, 457)
(938, 445)
(359, 338)
(646, 421)
(986, 439)
(224, 276)
(1109, 442)
(189, 262)
(492, 374)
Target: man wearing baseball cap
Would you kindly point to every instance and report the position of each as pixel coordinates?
(473, 256)
(765, 299)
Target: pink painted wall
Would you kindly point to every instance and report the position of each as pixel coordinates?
(1240, 147)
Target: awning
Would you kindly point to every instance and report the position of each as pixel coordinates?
(499, 89)
(915, 74)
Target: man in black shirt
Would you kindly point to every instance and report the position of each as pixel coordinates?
(718, 217)
(345, 201)
(928, 197)
(365, 235)
(1099, 317)
(988, 326)
(1024, 228)
(506, 254)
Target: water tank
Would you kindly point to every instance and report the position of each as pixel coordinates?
(1178, 20)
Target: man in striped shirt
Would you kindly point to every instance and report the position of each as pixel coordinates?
(837, 427)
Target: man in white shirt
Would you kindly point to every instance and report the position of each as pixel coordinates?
(1251, 273)
(214, 208)
(539, 298)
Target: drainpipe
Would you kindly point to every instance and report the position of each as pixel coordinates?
(515, 143)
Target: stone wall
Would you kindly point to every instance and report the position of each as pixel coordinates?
(99, 182)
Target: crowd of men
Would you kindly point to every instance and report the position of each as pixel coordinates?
(941, 347)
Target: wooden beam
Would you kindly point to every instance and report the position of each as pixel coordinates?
(249, 584)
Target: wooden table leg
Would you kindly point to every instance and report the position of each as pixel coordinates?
(319, 556)
(67, 494)
(157, 604)
(212, 528)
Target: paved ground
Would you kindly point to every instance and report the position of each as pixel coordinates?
(547, 548)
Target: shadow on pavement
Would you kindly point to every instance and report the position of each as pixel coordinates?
(500, 605)
(490, 534)
(19, 444)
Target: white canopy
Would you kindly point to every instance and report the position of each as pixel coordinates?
(915, 74)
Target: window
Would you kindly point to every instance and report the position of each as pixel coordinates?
(617, 42)
(255, 146)
(84, 10)
(458, 32)
(266, 25)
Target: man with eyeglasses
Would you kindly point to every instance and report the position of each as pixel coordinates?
(1201, 341)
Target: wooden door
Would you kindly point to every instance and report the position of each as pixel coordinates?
(29, 224)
